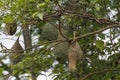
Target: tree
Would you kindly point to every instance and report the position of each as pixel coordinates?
(83, 34)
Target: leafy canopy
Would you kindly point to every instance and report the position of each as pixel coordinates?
(89, 18)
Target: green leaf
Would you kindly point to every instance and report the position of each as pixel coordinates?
(32, 0)
(97, 7)
(1, 70)
(8, 19)
(47, 1)
(100, 44)
(40, 15)
(34, 14)
(94, 1)
(41, 5)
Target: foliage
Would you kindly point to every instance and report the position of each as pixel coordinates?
(89, 18)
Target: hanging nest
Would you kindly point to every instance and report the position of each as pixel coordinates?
(74, 53)
(49, 32)
(16, 50)
(11, 28)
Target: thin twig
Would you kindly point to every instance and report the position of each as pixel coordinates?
(60, 31)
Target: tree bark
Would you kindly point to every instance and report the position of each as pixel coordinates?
(27, 37)
(28, 44)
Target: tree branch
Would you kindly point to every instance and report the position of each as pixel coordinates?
(91, 17)
(29, 48)
(77, 38)
(97, 72)
(97, 31)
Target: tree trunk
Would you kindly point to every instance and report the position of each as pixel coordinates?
(33, 76)
(27, 37)
(28, 45)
